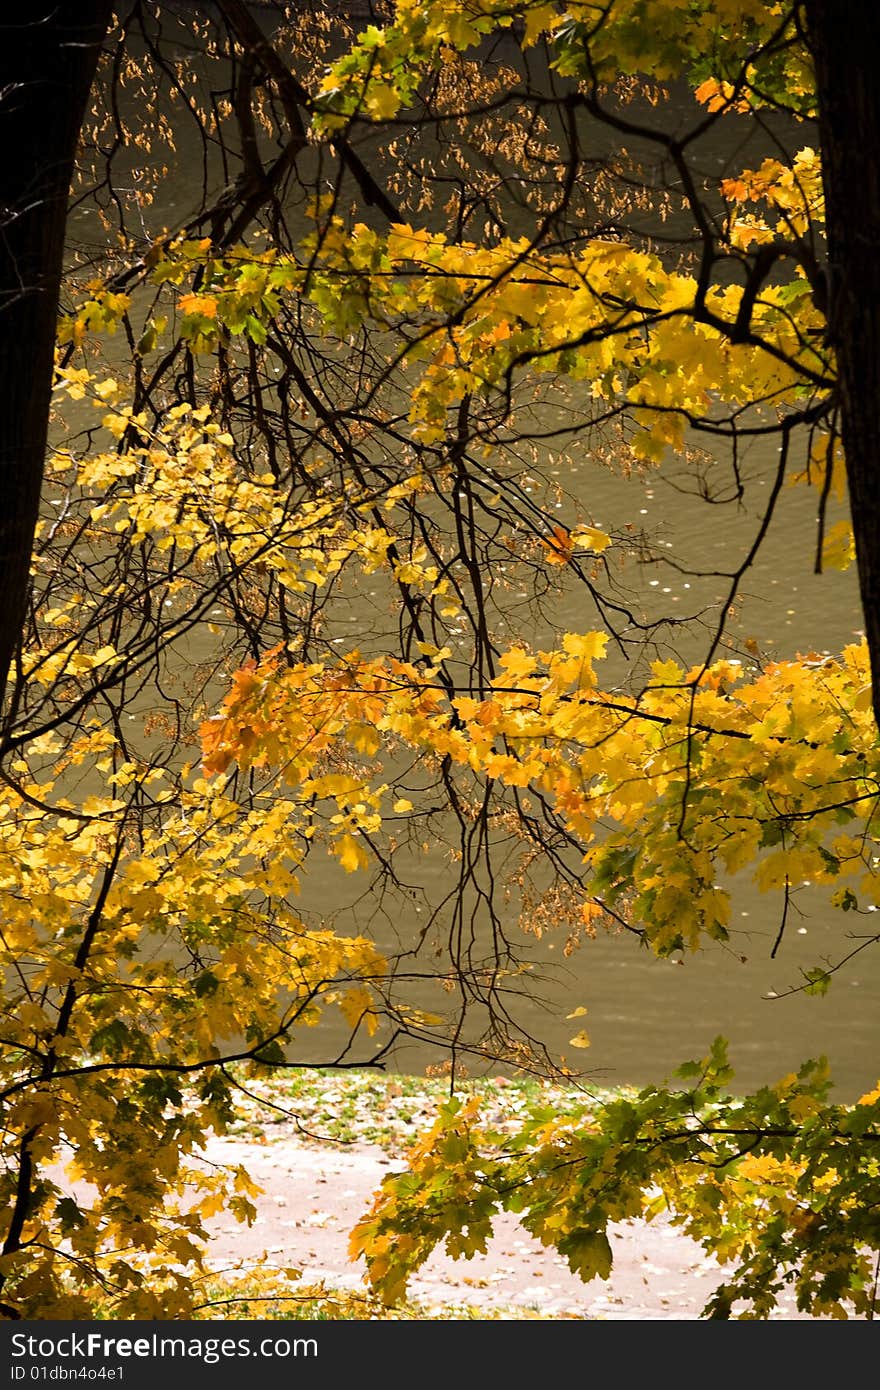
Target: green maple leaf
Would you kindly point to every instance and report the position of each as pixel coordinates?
(588, 1254)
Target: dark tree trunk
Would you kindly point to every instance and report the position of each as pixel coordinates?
(845, 41)
(48, 53)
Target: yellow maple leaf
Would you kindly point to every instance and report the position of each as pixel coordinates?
(587, 645)
(838, 547)
(540, 19)
(356, 1006)
(350, 854)
(516, 662)
(590, 538)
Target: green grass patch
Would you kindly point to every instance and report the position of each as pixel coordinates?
(343, 1108)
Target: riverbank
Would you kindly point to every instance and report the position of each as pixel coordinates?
(319, 1145)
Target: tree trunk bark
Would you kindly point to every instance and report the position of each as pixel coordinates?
(845, 41)
(48, 54)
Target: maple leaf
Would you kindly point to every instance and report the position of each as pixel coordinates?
(350, 853)
(558, 547)
(588, 1253)
(201, 304)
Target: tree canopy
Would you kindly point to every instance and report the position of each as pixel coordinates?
(291, 612)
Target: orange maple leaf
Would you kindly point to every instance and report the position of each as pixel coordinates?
(558, 547)
(201, 304)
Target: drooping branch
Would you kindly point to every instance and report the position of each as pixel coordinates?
(296, 100)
